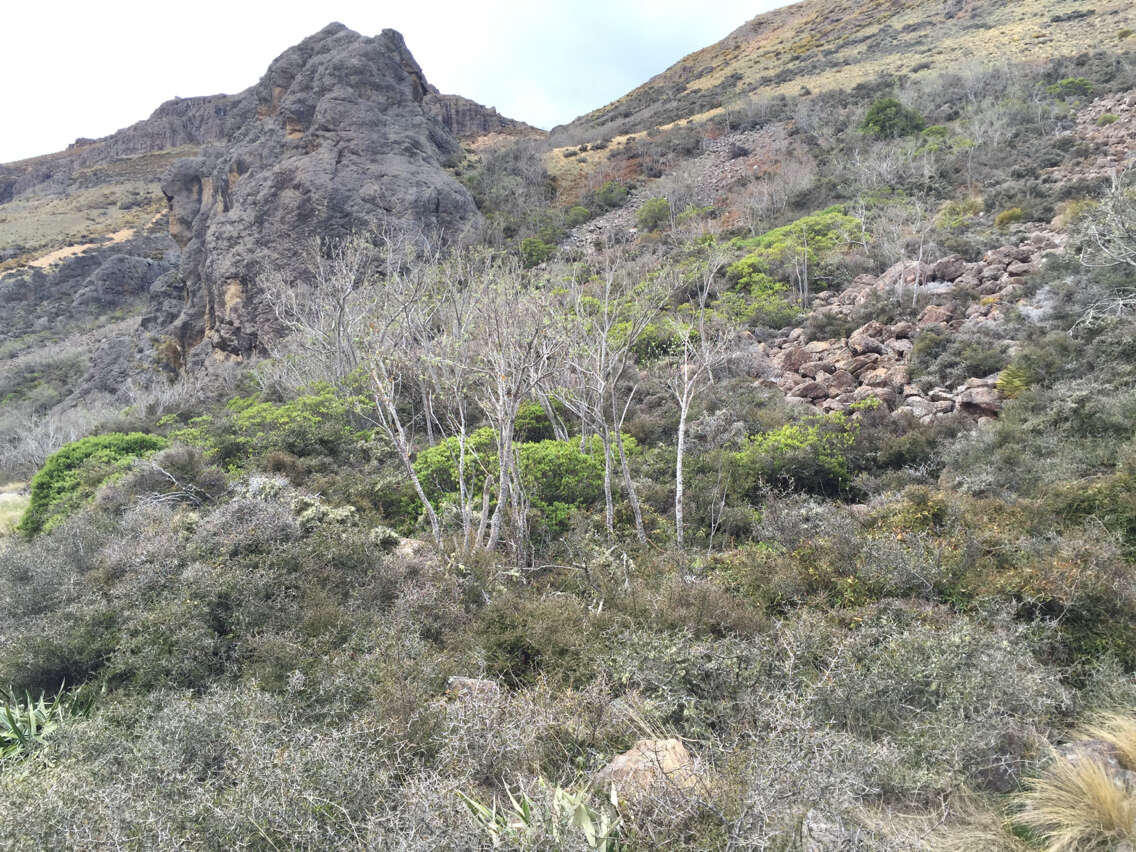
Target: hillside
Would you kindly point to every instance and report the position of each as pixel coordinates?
(818, 46)
(760, 479)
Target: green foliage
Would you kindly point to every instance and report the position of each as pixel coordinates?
(887, 118)
(946, 358)
(317, 423)
(1071, 87)
(657, 340)
(568, 813)
(764, 303)
(1009, 216)
(535, 251)
(71, 474)
(524, 638)
(577, 215)
(26, 723)
(809, 456)
(818, 240)
(654, 213)
(609, 196)
(558, 478)
(1107, 118)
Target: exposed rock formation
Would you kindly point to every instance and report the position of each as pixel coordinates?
(468, 119)
(339, 139)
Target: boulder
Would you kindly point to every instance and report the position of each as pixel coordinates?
(792, 359)
(935, 315)
(949, 268)
(839, 381)
(810, 390)
(980, 401)
(816, 368)
(862, 344)
(647, 765)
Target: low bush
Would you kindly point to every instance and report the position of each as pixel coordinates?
(653, 214)
(887, 118)
(70, 475)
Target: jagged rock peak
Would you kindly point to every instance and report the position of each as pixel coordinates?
(338, 139)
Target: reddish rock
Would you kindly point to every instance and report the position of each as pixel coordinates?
(810, 390)
(934, 315)
(948, 268)
(902, 330)
(817, 368)
(877, 378)
(791, 360)
(862, 344)
(841, 380)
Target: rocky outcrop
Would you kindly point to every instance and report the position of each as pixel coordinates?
(338, 139)
(468, 119)
(178, 122)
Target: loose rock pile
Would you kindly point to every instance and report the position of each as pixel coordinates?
(873, 361)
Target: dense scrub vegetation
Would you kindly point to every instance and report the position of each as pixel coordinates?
(560, 473)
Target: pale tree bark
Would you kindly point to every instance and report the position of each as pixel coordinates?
(704, 348)
(607, 317)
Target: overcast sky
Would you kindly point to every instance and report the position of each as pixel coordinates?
(71, 69)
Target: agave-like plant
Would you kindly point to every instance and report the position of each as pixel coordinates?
(520, 824)
(26, 722)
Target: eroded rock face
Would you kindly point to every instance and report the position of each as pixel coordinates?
(338, 139)
(468, 119)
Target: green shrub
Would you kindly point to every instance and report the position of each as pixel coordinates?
(1107, 119)
(535, 251)
(1071, 87)
(577, 215)
(887, 118)
(548, 636)
(1008, 217)
(609, 196)
(653, 214)
(946, 358)
(809, 456)
(820, 238)
(71, 474)
(558, 477)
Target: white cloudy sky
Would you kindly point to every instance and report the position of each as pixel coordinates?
(70, 69)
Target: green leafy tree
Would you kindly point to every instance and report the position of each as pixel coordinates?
(887, 118)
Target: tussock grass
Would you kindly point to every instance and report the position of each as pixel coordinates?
(1078, 805)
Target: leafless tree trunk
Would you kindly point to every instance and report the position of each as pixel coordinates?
(704, 347)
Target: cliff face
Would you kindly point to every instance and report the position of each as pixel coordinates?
(468, 119)
(336, 137)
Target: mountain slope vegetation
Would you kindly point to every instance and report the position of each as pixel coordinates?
(766, 481)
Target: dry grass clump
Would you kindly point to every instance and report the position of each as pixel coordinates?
(1083, 800)
(1086, 799)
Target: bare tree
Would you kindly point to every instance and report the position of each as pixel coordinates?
(606, 320)
(515, 353)
(704, 347)
(323, 315)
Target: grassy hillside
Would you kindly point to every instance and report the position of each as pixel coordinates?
(819, 45)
